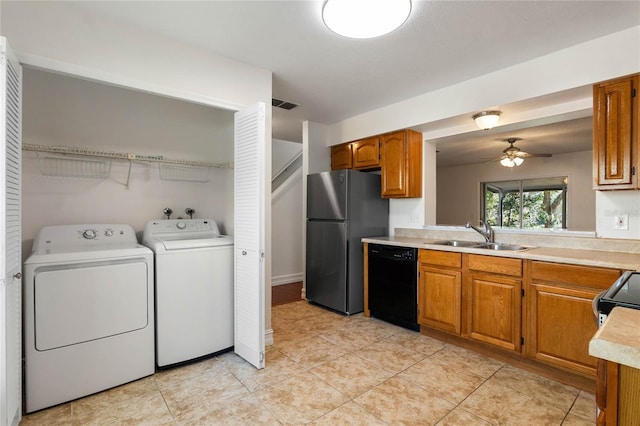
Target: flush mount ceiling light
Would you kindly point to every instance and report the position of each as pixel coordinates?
(365, 18)
(487, 119)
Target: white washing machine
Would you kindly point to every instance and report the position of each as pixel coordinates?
(88, 314)
(194, 288)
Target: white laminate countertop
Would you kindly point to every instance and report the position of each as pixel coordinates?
(604, 259)
(618, 340)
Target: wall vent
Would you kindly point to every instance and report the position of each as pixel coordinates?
(282, 104)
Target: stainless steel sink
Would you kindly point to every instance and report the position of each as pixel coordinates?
(457, 243)
(479, 245)
(498, 246)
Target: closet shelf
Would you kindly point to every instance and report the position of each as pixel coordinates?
(127, 156)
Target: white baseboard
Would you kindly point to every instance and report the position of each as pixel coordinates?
(268, 337)
(286, 279)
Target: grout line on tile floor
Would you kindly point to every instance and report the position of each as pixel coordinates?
(564, 419)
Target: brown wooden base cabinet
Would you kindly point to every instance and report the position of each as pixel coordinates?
(439, 290)
(540, 312)
(492, 290)
(560, 316)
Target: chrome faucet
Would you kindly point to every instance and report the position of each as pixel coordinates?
(487, 233)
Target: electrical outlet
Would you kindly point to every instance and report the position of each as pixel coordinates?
(622, 222)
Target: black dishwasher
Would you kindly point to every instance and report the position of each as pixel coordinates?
(393, 290)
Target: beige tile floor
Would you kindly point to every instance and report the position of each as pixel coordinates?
(326, 369)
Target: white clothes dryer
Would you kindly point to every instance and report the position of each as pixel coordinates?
(88, 314)
(194, 288)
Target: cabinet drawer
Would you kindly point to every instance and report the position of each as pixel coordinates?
(583, 276)
(441, 258)
(495, 264)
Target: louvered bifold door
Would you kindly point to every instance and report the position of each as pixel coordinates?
(249, 222)
(10, 236)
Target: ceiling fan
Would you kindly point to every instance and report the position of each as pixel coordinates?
(514, 156)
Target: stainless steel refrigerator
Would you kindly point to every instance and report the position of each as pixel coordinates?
(343, 206)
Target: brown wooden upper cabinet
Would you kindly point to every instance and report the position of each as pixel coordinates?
(366, 153)
(398, 156)
(401, 161)
(615, 133)
(341, 157)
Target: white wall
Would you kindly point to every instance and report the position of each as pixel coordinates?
(283, 152)
(286, 217)
(615, 203)
(76, 112)
(315, 147)
(64, 201)
(286, 226)
(459, 193)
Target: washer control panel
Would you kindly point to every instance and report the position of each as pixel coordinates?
(86, 235)
(181, 228)
(100, 233)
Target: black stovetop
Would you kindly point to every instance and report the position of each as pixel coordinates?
(624, 292)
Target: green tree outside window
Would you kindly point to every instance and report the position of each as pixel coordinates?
(527, 204)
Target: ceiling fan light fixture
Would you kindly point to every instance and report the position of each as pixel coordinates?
(487, 119)
(507, 162)
(511, 162)
(365, 18)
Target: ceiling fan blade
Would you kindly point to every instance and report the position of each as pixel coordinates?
(491, 159)
(527, 155)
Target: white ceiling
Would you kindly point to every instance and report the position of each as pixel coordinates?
(333, 78)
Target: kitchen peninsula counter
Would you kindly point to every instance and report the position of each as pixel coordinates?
(617, 346)
(618, 339)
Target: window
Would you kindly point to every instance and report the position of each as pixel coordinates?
(528, 203)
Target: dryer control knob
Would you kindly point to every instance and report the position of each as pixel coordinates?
(89, 234)
(108, 233)
(181, 225)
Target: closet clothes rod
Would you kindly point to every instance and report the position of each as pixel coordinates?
(127, 156)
